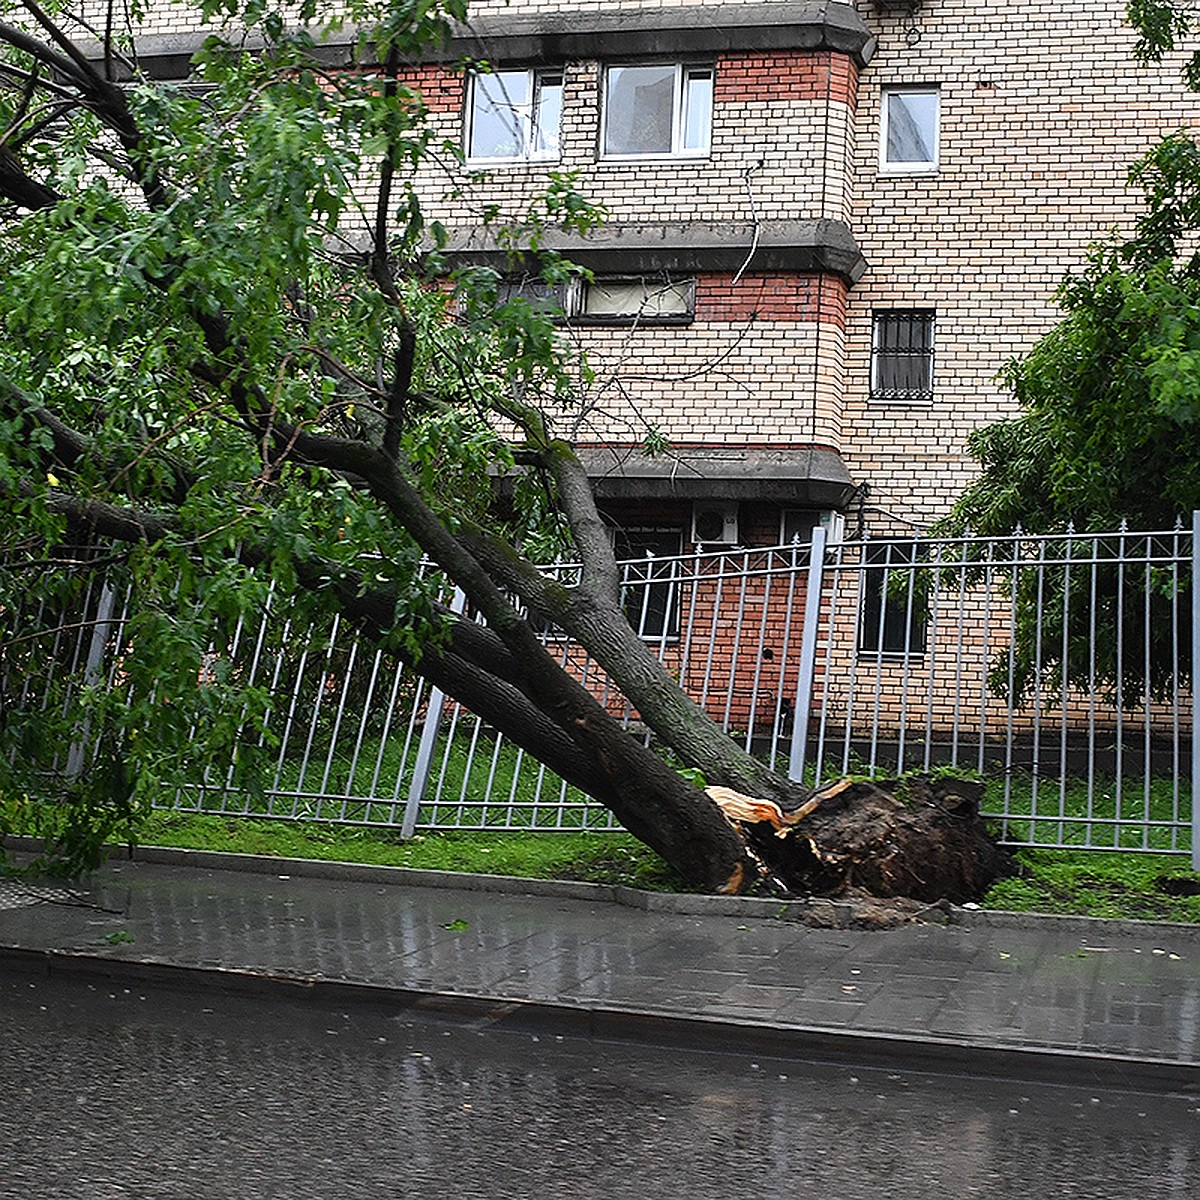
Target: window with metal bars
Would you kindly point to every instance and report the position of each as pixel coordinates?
(649, 579)
(902, 354)
(894, 600)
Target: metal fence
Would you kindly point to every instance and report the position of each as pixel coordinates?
(1057, 668)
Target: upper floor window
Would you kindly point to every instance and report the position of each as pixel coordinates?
(908, 141)
(902, 354)
(514, 116)
(657, 110)
(638, 299)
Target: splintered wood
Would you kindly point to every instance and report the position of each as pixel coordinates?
(737, 806)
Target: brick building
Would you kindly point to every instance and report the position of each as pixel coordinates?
(830, 225)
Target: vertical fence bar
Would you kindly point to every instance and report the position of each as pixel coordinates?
(759, 659)
(92, 672)
(1064, 681)
(959, 652)
(735, 655)
(823, 720)
(785, 651)
(808, 654)
(429, 736)
(1147, 701)
(1091, 717)
(1119, 683)
(933, 644)
(1176, 733)
(1195, 690)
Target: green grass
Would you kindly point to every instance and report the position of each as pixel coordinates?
(1074, 813)
(1101, 884)
(593, 857)
(457, 783)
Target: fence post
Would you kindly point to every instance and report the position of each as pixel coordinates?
(808, 654)
(92, 673)
(429, 736)
(1196, 690)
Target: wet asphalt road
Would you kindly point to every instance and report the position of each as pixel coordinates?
(110, 1093)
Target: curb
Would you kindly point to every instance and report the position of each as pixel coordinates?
(1061, 1066)
(839, 914)
(818, 911)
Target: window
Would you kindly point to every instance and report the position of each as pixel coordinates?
(908, 141)
(553, 299)
(649, 577)
(657, 110)
(607, 300)
(514, 116)
(895, 601)
(902, 354)
(638, 299)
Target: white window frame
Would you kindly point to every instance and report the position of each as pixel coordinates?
(568, 302)
(684, 73)
(916, 166)
(684, 287)
(527, 114)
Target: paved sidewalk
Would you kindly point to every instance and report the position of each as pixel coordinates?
(1115, 1001)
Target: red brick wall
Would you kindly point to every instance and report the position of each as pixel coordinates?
(784, 75)
(809, 297)
(787, 75)
(441, 87)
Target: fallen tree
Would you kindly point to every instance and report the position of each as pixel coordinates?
(197, 364)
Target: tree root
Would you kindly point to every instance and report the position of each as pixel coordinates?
(916, 837)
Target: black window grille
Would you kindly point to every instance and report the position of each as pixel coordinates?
(902, 354)
(650, 583)
(895, 600)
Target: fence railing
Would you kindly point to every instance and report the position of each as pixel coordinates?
(1058, 668)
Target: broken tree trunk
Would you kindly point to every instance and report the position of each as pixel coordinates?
(917, 837)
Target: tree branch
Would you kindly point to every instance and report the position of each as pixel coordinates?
(601, 579)
(20, 188)
(101, 97)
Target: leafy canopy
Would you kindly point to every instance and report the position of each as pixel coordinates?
(185, 272)
(1111, 395)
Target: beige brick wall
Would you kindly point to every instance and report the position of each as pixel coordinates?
(1042, 111)
(717, 381)
(159, 19)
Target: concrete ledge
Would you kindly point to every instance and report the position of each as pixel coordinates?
(819, 246)
(687, 30)
(601, 1023)
(671, 31)
(804, 476)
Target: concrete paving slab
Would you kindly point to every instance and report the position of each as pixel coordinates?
(1124, 992)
